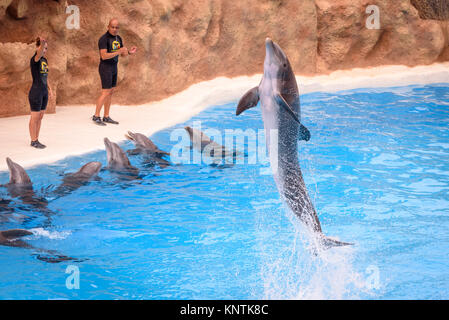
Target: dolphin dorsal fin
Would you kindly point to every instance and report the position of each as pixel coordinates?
(249, 100)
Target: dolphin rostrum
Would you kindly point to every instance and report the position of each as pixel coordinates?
(279, 96)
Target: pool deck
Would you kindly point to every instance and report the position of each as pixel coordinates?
(71, 132)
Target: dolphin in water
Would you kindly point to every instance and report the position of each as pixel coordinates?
(73, 181)
(279, 97)
(11, 238)
(118, 161)
(7, 213)
(20, 186)
(205, 145)
(145, 146)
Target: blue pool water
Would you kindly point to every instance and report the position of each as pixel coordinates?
(377, 169)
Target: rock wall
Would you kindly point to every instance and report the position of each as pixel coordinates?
(184, 42)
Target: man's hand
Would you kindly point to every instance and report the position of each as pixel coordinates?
(42, 41)
(133, 50)
(123, 51)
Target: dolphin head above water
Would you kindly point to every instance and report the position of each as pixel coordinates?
(189, 131)
(90, 169)
(277, 68)
(143, 142)
(278, 93)
(116, 156)
(17, 175)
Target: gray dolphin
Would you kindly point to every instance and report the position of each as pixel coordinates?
(17, 175)
(203, 143)
(279, 96)
(11, 238)
(73, 181)
(20, 186)
(145, 146)
(118, 161)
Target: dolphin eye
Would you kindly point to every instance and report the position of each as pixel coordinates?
(285, 65)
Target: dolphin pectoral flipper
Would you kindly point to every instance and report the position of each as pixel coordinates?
(304, 133)
(281, 101)
(249, 100)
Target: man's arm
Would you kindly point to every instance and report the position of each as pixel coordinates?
(105, 55)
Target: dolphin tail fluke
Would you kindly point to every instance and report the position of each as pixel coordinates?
(330, 243)
(53, 257)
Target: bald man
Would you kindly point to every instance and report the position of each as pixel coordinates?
(110, 46)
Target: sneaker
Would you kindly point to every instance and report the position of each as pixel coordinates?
(98, 121)
(109, 120)
(36, 144)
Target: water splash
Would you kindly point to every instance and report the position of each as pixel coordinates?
(53, 235)
(293, 268)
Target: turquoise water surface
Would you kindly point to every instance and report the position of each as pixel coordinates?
(377, 170)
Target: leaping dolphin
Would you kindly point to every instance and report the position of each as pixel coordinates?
(279, 96)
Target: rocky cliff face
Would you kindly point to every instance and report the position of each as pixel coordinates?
(183, 42)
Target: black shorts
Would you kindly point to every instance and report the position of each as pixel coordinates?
(38, 98)
(108, 75)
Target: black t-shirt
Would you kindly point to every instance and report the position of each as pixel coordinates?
(39, 72)
(112, 44)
